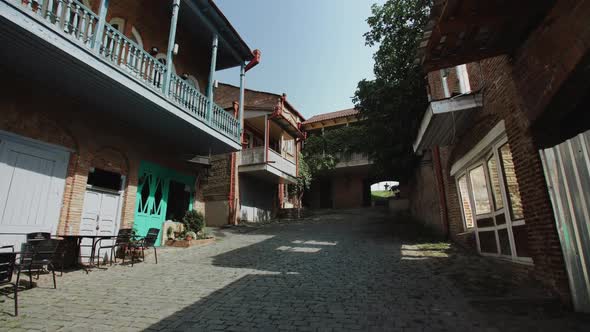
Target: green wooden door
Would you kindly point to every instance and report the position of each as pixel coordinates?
(153, 196)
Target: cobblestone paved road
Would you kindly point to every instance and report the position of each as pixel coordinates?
(348, 271)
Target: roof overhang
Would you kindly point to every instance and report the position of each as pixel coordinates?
(463, 31)
(446, 119)
(204, 19)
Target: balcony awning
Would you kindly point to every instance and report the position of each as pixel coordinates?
(446, 119)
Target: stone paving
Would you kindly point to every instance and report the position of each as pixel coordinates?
(348, 271)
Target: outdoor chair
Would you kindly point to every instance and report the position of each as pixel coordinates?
(36, 257)
(7, 265)
(7, 247)
(33, 238)
(37, 236)
(121, 242)
(149, 241)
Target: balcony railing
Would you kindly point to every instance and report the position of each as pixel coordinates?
(255, 156)
(349, 159)
(80, 24)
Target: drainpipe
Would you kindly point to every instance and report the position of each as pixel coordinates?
(233, 189)
(255, 61)
(442, 198)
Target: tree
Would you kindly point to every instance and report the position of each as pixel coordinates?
(304, 179)
(394, 102)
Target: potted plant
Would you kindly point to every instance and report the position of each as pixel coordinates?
(193, 221)
(170, 233)
(190, 236)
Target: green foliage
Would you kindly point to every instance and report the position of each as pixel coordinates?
(321, 151)
(192, 234)
(193, 221)
(170, 232)
(394, 102)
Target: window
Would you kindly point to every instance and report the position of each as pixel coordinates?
(98, 178)
(480, 191)
(495, 183)
(444, 76)
(288, 146)
(465, 202)
(511, 183)
(463, 77)
(491, 203)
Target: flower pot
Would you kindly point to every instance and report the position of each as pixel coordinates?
(188, 238)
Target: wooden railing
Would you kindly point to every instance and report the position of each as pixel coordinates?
(224, 121)
(188, 97)
(122, 51)
(71, 16)
(80, 24)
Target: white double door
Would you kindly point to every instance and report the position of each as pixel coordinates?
(32, 180)
(100, 216)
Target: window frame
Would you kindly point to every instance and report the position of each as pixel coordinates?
(491, 151)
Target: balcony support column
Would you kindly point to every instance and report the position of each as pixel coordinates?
(242, 87)
(266, 137)
(102, 19)
(171, 43)
(214, 47)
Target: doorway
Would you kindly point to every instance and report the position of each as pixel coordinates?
(101, 211)
(161, 194)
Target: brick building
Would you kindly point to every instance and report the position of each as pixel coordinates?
(251, 185)
(105, 105)
(504, 141)
(348, 185)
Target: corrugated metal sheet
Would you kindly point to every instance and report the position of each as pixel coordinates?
(567, 171)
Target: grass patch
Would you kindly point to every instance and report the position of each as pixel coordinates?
(435, 246)
(381, 194)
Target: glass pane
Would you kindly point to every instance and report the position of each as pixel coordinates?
(487, 242)
(496, 191)
(485, 222)
(504, 242)
(521, 241)
(465, 201)
(511, 182)
(480, 191)
(500, 219)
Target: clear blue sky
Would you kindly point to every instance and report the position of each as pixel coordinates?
(312, 50)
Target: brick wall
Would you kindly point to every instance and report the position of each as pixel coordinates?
(347, 191)
(423, 195)
(107, 144)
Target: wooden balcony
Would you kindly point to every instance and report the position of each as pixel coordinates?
(60, 42)
(271, 166)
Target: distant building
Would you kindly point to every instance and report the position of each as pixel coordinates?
(348, 184)
(253, 184)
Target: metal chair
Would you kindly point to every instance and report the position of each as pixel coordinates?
(122, 242)
(59, 254)
(149, 241)
(7, 265)
(37, 236)
(7, 247)
(36, 257)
